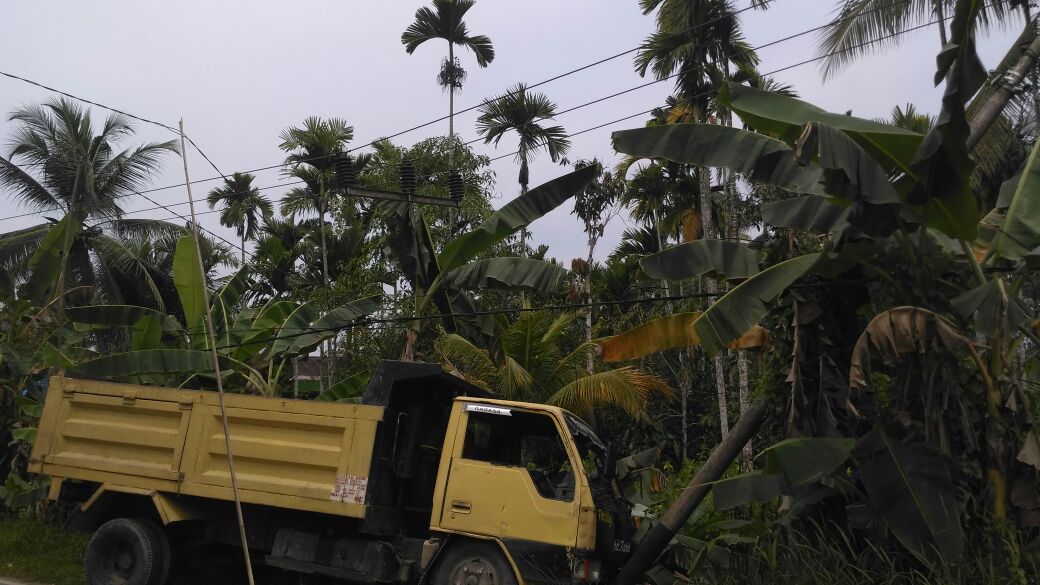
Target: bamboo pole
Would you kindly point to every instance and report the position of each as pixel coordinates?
(216, 365)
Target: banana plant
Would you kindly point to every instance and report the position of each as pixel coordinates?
(254, 344)
(877, 190)
(444, 280)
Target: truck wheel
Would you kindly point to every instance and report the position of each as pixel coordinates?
(163, 551)
(123, 551)
(473, 563)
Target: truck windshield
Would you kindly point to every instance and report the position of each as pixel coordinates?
(592, 450)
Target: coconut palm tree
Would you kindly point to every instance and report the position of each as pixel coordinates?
(312, 151)
(864, 27)
(535, 368)
(445, 22)
(243, 206)
(58, 164)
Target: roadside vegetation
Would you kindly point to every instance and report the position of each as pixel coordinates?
(873, 281)
(39, 551)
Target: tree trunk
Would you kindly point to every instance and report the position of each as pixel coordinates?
(700, 484)
(325, 276)
(707, 223)
(243, 248)
(588, 300)
(685, 384)
(709, 232)
(748, 453)
(941, 21)
(993, 97)
(451, 94)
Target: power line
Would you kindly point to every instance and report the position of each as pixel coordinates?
(566, 111)
(586, 130)
(365, 321)
(470, 108)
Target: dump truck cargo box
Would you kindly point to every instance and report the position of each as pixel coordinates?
(302, 455)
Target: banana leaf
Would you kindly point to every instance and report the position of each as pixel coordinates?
(46, 264)
(760, 158)
(811, 213)
(784, 117)
(850, 173)
(747, 488)
(187, 278)
(789, 464)
(730, 260)
(295, 325)
(334, 321)
(119, 316)
(348, 389)
(515, 215)
(807, 459)
(942, 166)
(991, 308)
(664, 333)
(509, 273)
(736, 313)
(1019, 232)
(226, 301)
(155, 361)
(911, 486)
(147, 333)
(259, 332)
(411, 244)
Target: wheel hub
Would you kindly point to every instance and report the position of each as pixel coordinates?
(474, 572)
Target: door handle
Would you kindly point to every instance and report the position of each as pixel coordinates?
(461, 506)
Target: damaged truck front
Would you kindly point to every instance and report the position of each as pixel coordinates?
(426, 479)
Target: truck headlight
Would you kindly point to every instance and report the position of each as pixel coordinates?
(586, 570)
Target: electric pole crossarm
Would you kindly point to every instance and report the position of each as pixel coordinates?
(403, 197)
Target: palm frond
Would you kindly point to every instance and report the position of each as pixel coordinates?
(626, 388)
(25, 188)
(514, 381)
(465, 357)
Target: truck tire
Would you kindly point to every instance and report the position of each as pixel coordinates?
(123, 551)
(163, 551)
(473, 563)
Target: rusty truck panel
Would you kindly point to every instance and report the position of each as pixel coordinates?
(288, 453)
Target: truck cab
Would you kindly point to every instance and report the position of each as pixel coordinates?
(523, 475)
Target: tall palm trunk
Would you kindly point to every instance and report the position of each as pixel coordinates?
(941, 21)
(451, 94)
(588, 299)
(325, 367)
(748, 452)
(708, 227)
(524, 169)
(243, 248)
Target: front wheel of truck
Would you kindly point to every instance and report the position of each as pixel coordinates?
(473, 563)
(125, 551)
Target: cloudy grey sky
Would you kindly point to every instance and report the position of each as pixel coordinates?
(238, 72)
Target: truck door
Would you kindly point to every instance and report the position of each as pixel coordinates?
(510, 477)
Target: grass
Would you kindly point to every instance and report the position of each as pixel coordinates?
(34, 550)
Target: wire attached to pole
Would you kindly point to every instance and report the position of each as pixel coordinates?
(216, 364)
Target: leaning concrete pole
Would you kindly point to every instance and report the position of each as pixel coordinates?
(660, 535)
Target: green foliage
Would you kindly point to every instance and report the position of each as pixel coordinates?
(531, 364)
(41, 552)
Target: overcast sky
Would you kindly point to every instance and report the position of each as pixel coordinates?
(239, 72)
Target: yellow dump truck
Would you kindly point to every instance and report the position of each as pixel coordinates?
(426, 479)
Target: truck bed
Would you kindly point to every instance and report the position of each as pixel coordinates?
(295, 454)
